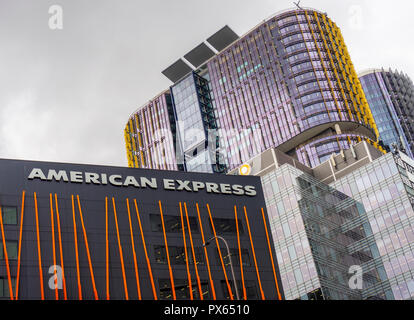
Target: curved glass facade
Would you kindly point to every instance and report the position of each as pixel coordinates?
(391, 98)
(150, 135)
(289, 83)
(292, 78)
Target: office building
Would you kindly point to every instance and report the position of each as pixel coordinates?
(122, 233)
(385, 188)
(390, 95)
(358, 205)
(289, 83)
(316, 230)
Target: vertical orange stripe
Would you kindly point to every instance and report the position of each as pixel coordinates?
(240, 253)
(85, 237)
(168, 253)
(254, 255)
(53, 245)
(146, 253)
(106, 249)
(76, 250)
(213, 291)
(121, 256)
(20, 247)
(220, 255)
(6, 256)
(190, 285)
(133, 251)
(271, 256)
(60, 248)
(38, 249)
(194, 256)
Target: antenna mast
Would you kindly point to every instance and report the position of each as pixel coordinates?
(298, 5)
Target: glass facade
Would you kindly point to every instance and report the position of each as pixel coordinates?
(385, 187)
(288, 83)
(317, 231)
(379, 91)
(150, 136)
(190, 125)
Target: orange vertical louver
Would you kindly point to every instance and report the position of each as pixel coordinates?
(167, 252)
(42, 293)
(20, 247)
(240, 253)
(52, 223)
(220, 255)
(106, 250)
(85, 237)
(146, 252)
(133, 251)
(200, 291)
(190, 285)
(6, 256)
(254, 255)
(61, 248)
(75, 235)
(213, 291)
(121, 256)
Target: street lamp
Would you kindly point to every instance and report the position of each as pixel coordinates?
(231, 263)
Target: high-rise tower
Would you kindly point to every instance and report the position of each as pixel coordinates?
(391, 98)
(288, 83)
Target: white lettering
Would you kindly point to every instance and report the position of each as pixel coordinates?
(76, 177)
(130, 180)
(92, 178)
(198, 185)
(52, 174)
(37, 173)
(183, 185)
(250, 191)
(150, 183)
(225, 188)
(169, 184)
(113, 179)
(104, 178)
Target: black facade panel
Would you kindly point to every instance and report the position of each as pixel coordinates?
(93, 200)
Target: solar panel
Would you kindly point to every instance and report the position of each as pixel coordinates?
(199, 55)
(222, 38)
(177, 70)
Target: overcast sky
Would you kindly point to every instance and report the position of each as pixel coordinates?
(65, 95)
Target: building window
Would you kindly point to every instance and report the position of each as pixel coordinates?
(172, 224)
(182, 290)
(251, 289)
(314, 295)
(11, 250)
(177, 255)
(235, 259)
(9, 215)
(4, 287)
(226, 226)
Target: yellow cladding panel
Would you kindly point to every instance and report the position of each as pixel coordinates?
(134, 147)
(348, 72)
(324, 68)
(128, 148)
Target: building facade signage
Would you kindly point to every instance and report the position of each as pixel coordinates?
(140, 182)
